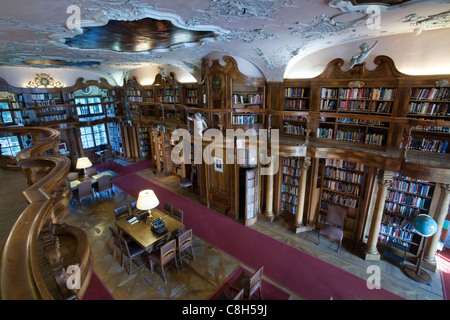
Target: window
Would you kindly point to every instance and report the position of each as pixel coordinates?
(10, 145)
(6, 116)
(93, 136)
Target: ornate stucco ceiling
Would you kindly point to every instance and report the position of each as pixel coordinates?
(269, 33)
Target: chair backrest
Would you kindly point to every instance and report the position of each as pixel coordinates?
(239, 295)
(104, 182)
(184, 240)
(120, 211)
(84, 189)
(116, 238)
(255, 281)
(178, 214)
(336, 215)
(73, 176)
(168, 208)
(91, 171)
(133, 205)
(168, 252)
(108, 154)
(124, 245)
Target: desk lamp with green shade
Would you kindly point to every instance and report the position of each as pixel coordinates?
(147, 200)
(83, 163)
(425, 226)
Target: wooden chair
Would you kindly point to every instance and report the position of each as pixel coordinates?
(239, 295)
(103, 184)
(188, 182)
(91, 171)
(250, 284)
(84, 191)
(178, 214)
(163, 256)
(131, 250)
(117, 244)
(168, 208)
(333, 227)
(108, 156)
(73, 176)
(119, 212)
(184, 242)
(133, 206)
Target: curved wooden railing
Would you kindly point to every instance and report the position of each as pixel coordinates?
(48, 198)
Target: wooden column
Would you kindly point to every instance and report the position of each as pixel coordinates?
(299, 225)
(384, 181)
(429, 259)
(268, 215)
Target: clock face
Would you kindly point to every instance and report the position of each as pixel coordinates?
(44, 81)
(216, 84)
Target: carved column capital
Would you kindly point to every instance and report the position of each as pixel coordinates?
(305, 164)
(445, 187)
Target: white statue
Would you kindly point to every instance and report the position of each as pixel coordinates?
(362, 55)
(199, 124)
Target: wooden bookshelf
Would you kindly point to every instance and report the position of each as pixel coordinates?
(296, 98)
(406, 199)
(343, 183)
(367, 101)
(433, 105)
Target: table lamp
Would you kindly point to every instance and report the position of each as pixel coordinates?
(147, 200)
(425, 226)
(83, 163)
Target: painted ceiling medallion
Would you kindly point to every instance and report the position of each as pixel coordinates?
(44, 80)
(136, 36)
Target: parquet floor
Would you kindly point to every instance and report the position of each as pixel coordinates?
(198, 279)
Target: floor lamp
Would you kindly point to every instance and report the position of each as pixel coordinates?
(147, 200)
(83, 163)
(425, 226)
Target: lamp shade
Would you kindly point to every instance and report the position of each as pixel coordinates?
(83, 163)
(147, 200)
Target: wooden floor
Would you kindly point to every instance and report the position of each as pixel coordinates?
(199, 279)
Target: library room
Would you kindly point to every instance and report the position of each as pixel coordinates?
(225, 150)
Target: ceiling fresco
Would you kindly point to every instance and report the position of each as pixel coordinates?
(114, 37)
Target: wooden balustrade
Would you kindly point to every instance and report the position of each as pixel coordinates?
(48, 198)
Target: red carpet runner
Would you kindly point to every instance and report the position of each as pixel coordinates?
(302, 273)
(444, 265)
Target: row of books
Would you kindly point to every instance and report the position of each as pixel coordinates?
(290, 180)
(289, 189)
(368, 93)
(286, 206)
(325, 133)
(398, 221)
(341, 186)
(343, 175)
(58, 117)
(296, 92)
(244, 119)
(406, 211)
(431, 128)
(430, 94)
(411, 187)
(429, 145)
(291, 129)
(46, 96)
(428, 108)
(134, 99)
(296, 104)
(406, 199)
(295, 118)
(388, 231)
(192, 93)
(375, 139)
(289, 198)
(344, 164)
(350, 136)
(247, 98)
(292, 171)
(340, 199)
(192, 100)
(292, 161)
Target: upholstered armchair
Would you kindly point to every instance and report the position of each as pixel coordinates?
(333, 227)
